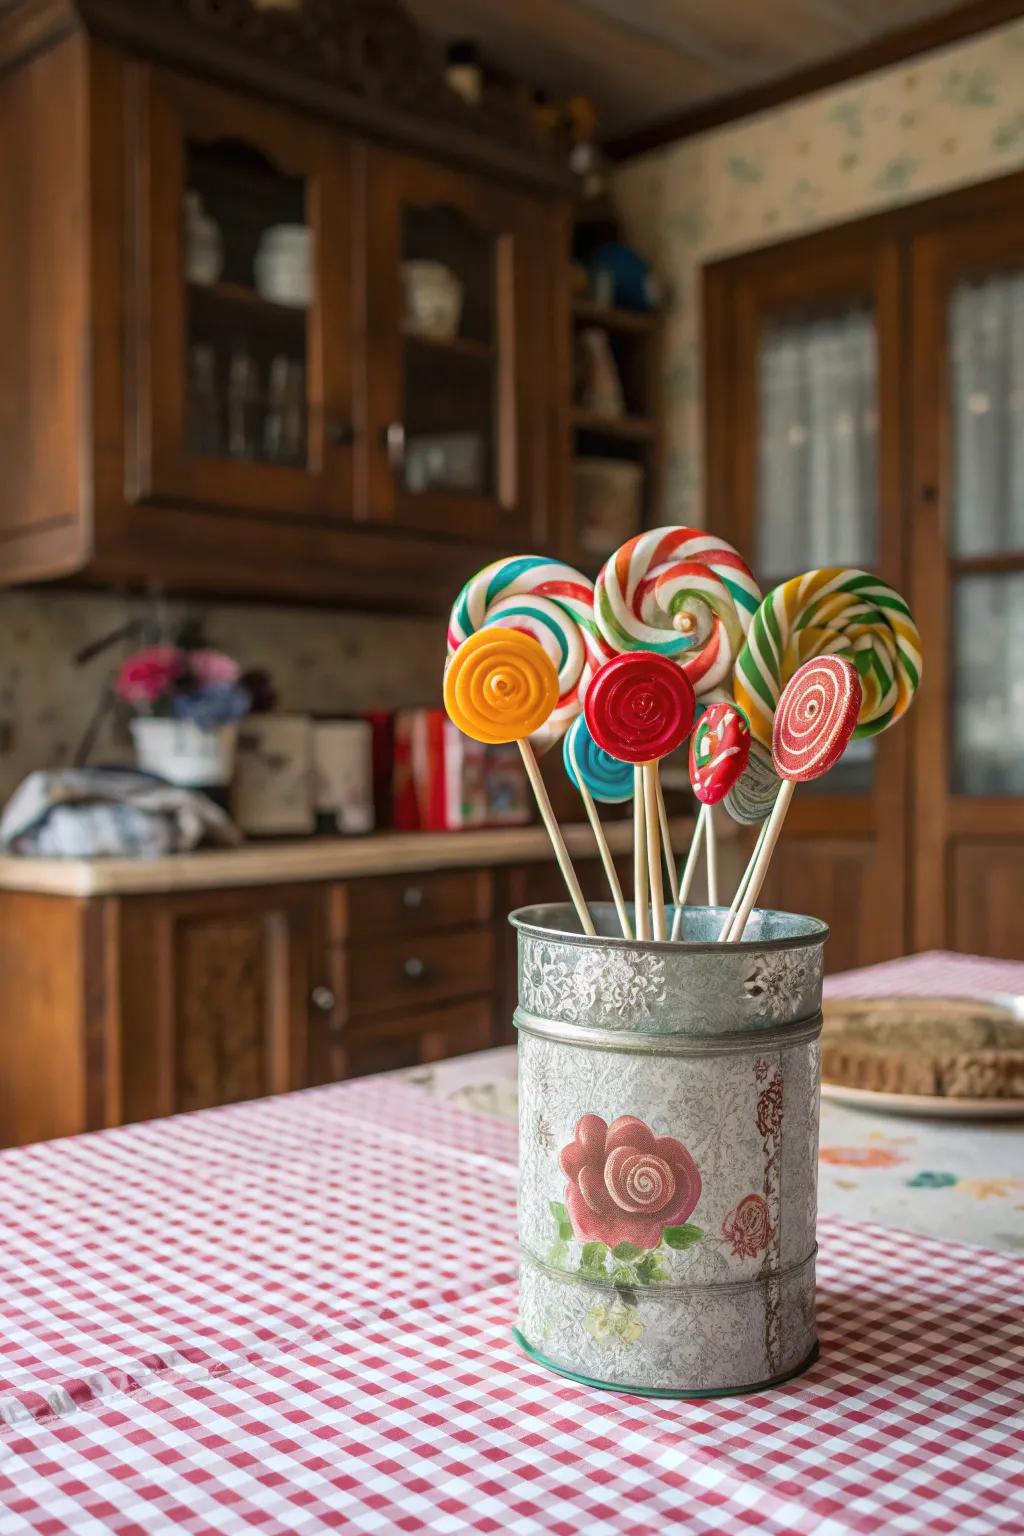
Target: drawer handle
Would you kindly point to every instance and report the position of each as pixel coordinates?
(412, 897)
(323, 999)
(414, 969)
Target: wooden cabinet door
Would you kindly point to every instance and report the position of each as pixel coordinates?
(967, 502)
(216, 993)
(458, 315)
(241, 383)
(805, 445)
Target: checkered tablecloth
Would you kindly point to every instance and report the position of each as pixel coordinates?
(294, 1317)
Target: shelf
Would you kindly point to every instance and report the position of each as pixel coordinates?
(454, 346)
(637, 429)
(237, 299)
(626, 320)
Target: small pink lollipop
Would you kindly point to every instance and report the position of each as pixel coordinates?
(814, 720)
(719, 752)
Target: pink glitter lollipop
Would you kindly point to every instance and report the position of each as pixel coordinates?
(814, 720)
(719, 752)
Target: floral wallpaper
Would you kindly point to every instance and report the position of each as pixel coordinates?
(936, 122)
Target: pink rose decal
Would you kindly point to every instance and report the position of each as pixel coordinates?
(626, 1184)
(747, 1227)
(149, 674)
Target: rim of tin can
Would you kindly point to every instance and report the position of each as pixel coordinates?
(816, 932)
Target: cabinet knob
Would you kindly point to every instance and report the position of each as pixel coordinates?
(323, 999)
(412, 897)
(341, 433)
(414, 969)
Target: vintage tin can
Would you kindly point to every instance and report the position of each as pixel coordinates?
(668, 1151)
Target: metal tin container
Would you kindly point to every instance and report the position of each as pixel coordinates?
(668, 1145)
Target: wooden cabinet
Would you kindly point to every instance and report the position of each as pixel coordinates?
(214, 987)
(228, 383)
(456, 431)
(123, 1008)
(864, 409)
(244, 396)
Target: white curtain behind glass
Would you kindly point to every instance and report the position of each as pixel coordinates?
(987, 343)
(819, 432)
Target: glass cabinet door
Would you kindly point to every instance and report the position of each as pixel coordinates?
(968, 572)
(986, 405)
(805, 427)
(243, 337)
(454, 431)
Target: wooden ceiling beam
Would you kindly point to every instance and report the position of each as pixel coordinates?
(880, 53)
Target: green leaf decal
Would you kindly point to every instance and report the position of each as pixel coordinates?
(651, 1269)
(627, 1251)
(682, 1237)
(592, 1260)
(563, 1223)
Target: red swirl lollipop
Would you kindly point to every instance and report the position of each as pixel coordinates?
(640, 706)
(815, 718)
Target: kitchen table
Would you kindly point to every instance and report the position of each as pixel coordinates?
(294, 1316)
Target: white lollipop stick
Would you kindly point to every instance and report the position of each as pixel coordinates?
(654, 850)
(666, 842)
(712, 853)
(744, 882)
(555, 834)
(773, 829)
(602, 844)
(696, 843)
(643, 927)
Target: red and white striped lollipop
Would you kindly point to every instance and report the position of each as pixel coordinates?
(815, 718)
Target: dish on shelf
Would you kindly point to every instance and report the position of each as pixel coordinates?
(433, 299)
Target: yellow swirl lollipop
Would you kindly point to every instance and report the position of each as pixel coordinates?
(500, 685)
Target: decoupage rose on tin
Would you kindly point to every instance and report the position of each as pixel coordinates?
(668, 1151)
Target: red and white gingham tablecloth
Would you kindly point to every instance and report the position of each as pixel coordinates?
(294, 1316)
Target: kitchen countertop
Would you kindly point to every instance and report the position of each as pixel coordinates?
(326, 858)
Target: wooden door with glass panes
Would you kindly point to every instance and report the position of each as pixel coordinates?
(805, 443)
(242, 316)
(457, 294)
(968, 579)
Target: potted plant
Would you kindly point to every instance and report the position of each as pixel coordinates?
(186, 705)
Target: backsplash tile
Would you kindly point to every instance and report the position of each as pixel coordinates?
(319, 661)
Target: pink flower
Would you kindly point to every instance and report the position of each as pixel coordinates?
(625, 1183)
(149, 674)
(213, 667)
(747, 1228)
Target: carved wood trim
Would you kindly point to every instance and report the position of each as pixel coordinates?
(365, 62)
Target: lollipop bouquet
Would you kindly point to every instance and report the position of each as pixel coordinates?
(675, 639)
(668, 1052)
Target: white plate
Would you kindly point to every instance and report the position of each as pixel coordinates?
(924, 1106)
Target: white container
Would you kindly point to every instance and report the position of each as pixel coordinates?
(182, 752)
(272, 793)
(283, 266)
(204, 245)
(433, 299)
(343, 773)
